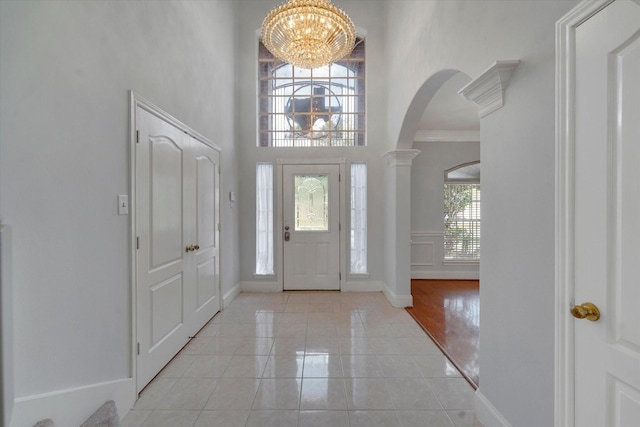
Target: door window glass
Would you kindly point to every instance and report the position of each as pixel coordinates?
(311, 202)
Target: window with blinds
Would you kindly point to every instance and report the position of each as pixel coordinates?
(462, 212)
(322, 107)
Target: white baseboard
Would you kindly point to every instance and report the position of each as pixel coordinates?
(351, 286)
(230, 295)
(72, 407)
(488, 415)
(362, 286)
(6, 327)
(399, 301)
(446, 275)
(260, 287)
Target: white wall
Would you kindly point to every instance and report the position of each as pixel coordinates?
(427, 204)
(66, 68)
(516, 352)
(367, 18)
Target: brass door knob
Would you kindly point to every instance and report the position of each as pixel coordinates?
(196, 247)
(190, 248)
(586, 311)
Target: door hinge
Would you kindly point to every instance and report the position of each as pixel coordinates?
(137, 136)
(219, 169)
(340, 276)
(137, 242)
(138, 349)
(219, 227)
(339, 227)
(339, 177)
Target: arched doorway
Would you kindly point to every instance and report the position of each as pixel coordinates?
(445, 283)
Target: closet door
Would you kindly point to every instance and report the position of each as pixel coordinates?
(161, 210)
(205, 301)
(177, 263)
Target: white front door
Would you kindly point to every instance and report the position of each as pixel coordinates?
(176, 224)
(311, 227)
(607, 217)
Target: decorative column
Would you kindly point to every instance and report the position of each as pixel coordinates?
(398, 231)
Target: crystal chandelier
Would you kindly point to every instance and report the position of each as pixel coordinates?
(308, 33)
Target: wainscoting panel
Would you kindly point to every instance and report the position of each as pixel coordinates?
(427, 259)
(422, 254)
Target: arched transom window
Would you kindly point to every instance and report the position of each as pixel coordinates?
(322, 107)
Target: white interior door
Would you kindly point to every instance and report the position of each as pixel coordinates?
(177, 216)
(607, 213)
(206, 302)
(311, 227)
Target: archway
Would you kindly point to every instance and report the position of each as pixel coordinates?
(418, 106)
(445, 128)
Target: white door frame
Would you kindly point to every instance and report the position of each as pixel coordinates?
(138, 101)
(564, 211)
(278, 211)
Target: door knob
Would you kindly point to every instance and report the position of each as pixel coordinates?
(196, 247)
(586, 311)
(189, 248)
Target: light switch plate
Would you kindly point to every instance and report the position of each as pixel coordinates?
(123, 204)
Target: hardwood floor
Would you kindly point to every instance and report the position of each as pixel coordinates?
(449, 311)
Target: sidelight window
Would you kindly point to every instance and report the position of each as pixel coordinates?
(358, 218)
(264, 219)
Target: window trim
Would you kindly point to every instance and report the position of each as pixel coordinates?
(448, 180)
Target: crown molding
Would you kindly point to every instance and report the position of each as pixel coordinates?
(447, 136)
(487, 90)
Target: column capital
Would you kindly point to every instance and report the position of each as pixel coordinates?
(400, 157)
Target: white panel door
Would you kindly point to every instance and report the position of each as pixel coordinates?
(177, 262)
(311, 221)
(607, 217)
(206, 299)
(160, 259)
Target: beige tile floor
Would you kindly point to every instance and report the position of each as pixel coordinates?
(307, 359)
